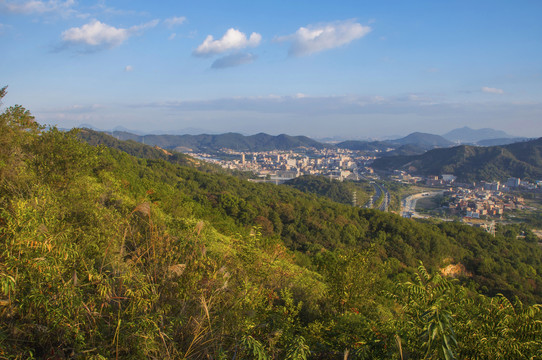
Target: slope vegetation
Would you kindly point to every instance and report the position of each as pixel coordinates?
(105, 255)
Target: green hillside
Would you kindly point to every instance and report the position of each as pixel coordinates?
(106, 255)
(469, 163)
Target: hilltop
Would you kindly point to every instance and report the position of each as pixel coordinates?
(472, 136)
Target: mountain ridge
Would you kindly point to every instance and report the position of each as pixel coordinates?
(233, 141)
(472, 163)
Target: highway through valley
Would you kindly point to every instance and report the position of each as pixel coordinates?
(380, 191)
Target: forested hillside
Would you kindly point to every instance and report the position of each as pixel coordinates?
(339, 191)
(106, 255)
(470, 163)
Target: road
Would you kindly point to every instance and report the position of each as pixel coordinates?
(386, 201)
(408, 205)
(380, 190)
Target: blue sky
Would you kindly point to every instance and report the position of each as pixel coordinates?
(353, 69)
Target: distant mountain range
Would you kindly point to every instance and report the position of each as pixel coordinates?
(473, 163)
(420, 153)
(412, 144)
(415, 143)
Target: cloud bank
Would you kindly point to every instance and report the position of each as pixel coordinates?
(347, 116)
(316, 38)
(233, 39)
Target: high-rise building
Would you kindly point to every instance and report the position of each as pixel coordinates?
(513, 182)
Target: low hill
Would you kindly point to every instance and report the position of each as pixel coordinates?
(234, 141)
(408, 149)
(423, 140)
(419, 141)
(472, 136)
(471, 163)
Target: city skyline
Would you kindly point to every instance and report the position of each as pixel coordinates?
(351, 70)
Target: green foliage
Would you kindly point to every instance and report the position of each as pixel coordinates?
(17, 130)
(104, 255)
(439, 319)
(427, 306)
(335, 190)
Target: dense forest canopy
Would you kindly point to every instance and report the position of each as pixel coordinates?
(108, 255)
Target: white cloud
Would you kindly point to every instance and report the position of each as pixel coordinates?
(174, 21)
(40, 7)
(490, 90)
(233, 39)
(315, 38)
(129, 68)
(37, 6)
(172, 36)
(96, 34)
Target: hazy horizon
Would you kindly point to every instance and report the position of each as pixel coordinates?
(350, 70)
(196, 131)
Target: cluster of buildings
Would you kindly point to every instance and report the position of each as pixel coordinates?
(512, 184)
(477, 202)
(450, 180)
(278, 166)
(433, 180)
